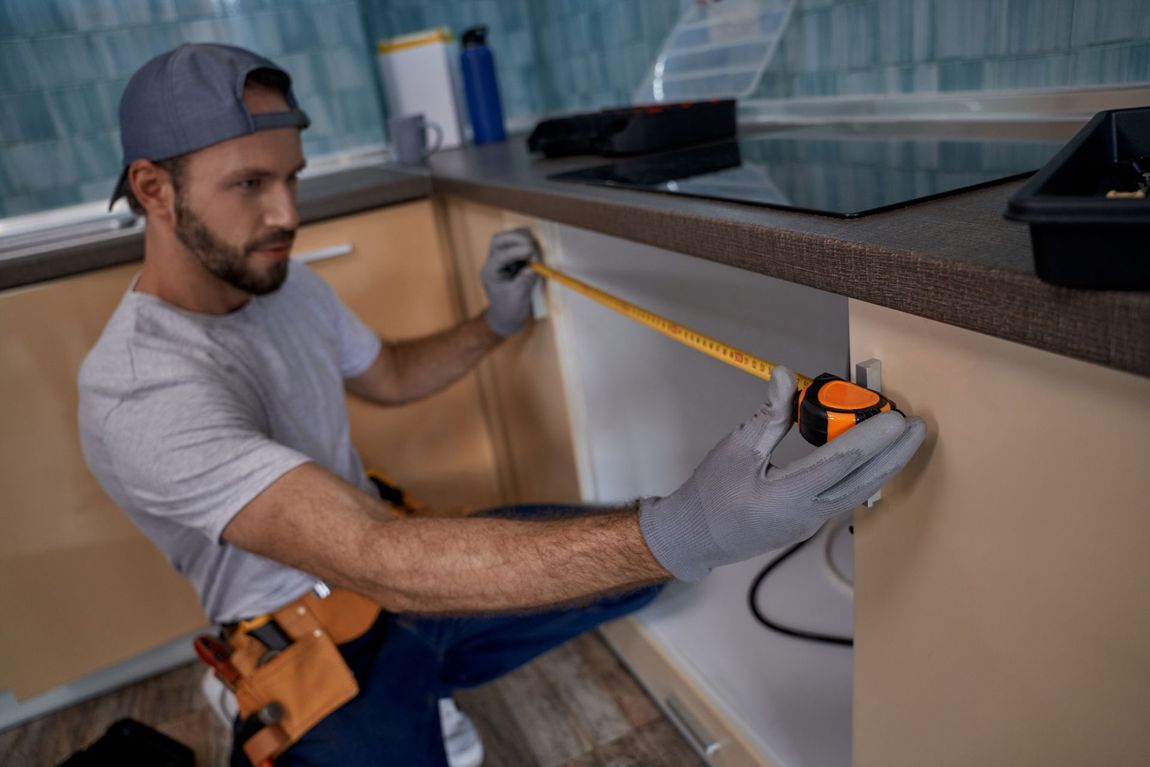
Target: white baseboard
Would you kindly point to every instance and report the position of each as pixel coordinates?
(157, 660)
(717, 740)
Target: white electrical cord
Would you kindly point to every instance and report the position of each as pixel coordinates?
(834, 527)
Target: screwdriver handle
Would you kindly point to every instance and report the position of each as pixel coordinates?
(217, 655)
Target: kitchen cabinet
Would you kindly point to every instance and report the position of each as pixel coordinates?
(999, 583)
(83, 589)
(1002, 584)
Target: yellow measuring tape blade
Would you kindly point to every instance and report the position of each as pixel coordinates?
(742, 360)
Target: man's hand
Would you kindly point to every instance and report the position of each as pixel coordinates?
(737, 504)
(508, 281)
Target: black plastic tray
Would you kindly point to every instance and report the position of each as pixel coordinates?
(1080, 237)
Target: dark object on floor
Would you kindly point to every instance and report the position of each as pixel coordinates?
(1088, 214)
(635, 130)
(128, 743)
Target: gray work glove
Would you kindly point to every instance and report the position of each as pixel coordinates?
(508, 282)
(737, 504)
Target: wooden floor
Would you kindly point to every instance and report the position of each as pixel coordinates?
(576, 706)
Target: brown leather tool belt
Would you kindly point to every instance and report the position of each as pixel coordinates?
(291, 673)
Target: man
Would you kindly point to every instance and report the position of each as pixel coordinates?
(212, 410)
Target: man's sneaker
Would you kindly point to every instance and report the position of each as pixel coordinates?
(460, 738)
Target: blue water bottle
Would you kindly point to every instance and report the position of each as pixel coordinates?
(481, 87)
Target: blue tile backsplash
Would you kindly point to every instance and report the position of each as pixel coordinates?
(855, 47)
(64, 63)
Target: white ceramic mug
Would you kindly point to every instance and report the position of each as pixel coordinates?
(409, 138)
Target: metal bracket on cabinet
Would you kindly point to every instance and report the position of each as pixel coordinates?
(539, 301)
(868, 373)
(547, 236)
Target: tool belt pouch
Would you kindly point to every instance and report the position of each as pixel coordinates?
(309, 678)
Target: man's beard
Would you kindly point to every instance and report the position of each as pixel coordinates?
(228, 263)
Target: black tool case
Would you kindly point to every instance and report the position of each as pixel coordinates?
(1081, 237)
(635, 130)
(128, 743)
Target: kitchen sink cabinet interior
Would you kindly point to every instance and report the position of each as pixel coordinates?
(589, 407)
(645, 411)
(998, 581)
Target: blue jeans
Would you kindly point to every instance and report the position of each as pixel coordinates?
(405, 663)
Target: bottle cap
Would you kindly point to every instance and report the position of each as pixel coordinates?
(474, 37)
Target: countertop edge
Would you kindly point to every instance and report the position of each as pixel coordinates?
(1109, 328)
(1100, 327)
(322, 198)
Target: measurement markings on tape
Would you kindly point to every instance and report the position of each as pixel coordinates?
(742, 360)
(825, 407)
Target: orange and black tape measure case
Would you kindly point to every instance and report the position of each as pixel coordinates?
(831, 405)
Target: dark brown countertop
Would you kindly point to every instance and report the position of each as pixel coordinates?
(955, 260)
(321, 197)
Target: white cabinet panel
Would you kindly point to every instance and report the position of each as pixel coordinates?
(645, 410)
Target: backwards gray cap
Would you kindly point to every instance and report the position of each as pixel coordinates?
(193, 97)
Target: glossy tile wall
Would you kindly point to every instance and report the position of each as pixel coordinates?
(64, 64)
(851, 47)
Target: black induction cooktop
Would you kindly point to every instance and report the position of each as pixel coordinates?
(811, 171)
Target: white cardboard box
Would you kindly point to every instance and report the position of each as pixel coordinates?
(420, 76)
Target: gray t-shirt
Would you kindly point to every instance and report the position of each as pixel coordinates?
(185, 418)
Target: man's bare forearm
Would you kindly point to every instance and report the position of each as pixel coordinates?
(314, 521)
(487, 564)
(422, 366)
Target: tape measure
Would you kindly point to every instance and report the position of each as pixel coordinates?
(825, 407)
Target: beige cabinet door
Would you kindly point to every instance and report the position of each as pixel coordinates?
(1002, 585)
(522, 383)
(80, 587)
(392, 268)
